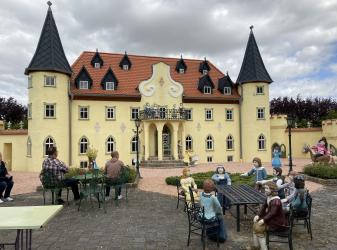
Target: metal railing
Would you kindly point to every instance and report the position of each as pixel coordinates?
(162, 114)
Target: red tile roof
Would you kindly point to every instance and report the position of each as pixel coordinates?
(141, 69)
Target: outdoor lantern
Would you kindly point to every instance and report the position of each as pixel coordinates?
(137, 122)
(290, 121)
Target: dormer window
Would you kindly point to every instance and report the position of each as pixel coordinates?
(207, 90)
(204, 72)
(125, 62)
(110, 86)
(97, 61)
(181, 71)
(97, 65)
(84, 85)
(227, 91)
(125, 67)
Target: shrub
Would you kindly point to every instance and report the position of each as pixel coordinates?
(324, 171)
(131, 174)
(200, 177)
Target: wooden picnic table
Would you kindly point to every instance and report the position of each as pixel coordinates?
(242, 195)
(25, 219)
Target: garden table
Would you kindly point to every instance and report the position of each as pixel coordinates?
(242, 195)
(25, 219)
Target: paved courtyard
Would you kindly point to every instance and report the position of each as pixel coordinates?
(151, 221)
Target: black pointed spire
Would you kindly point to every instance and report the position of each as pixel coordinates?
(252, 68)
(49, 54)
(181, 65)
(125, 61)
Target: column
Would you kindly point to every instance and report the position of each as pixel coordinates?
(160, 141)
(175, 141)
(183, 138)
(146, 141)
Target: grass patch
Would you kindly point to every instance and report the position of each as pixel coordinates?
(324, 171)
(200, 177)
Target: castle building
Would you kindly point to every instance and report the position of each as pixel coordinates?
(184, 105)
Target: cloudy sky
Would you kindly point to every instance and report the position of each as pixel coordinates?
(297, 39)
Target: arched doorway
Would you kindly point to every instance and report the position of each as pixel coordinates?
(167, 137)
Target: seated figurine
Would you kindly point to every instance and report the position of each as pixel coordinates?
(222, 179)
(299, 202)
(212, 210)
(259, 171)
(289, 190)
(269, 218)
(279, 180)
(187, 181)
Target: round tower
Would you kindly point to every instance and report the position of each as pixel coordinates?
(48, 103)
(253, 82)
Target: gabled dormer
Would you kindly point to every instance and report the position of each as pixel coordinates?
(204, 68)
(206, 84)
(109, 81)
(181, 66)
(83, 80)
(125, 63)
(97, 61)
(225, 85)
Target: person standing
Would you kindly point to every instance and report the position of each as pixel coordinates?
(6, 182)
(56, 169)
(113, 170)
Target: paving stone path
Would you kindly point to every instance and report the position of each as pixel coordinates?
(151, 221)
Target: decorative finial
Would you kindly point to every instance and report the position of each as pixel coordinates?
(49, 3)
(227, 72)
(181, 56)
(125, 52)
(205, 58)
(251, 27)
(96, 50)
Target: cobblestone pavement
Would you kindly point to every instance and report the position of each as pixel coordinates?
(151, 221)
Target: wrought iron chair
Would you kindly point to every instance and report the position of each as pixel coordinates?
(180, 193)
(304, 216)
(93, 187)
(50, 183)
(197, 222)
(121, 183)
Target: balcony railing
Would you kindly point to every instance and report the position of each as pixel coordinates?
(162, 114)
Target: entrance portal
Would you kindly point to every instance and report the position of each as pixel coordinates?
(166, 142)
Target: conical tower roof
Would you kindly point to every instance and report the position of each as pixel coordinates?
(49, 54)
(252, 68)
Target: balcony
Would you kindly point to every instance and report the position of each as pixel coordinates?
(163, 114)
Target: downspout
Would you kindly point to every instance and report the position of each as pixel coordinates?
(71, 98)
(240, 119)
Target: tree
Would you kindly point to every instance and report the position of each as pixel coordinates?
(11, 110)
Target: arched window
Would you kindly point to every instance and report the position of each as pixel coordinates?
(84, 145)
(188, 143)
(29, 146)
(261, 142)
(134, 145)
(48, 142)
(230, 142)
(209, 143)
(110, 144)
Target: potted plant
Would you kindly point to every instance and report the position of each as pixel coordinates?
(92, 154)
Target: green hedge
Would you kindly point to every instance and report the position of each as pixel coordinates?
(200, 177)
(324, 171)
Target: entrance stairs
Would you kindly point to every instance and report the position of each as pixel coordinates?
(167, 162)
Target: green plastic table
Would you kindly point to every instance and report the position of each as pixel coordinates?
(26, 219)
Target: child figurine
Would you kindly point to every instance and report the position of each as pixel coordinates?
(222, 179)
(186, 182)
(259, 171)
(276, 162)
(299, 202)
(213, 210)
(289, 190)
(279, 181)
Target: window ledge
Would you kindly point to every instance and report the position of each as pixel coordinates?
(230, 150)
(49, 117)
(262, 150)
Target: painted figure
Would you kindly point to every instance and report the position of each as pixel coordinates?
(289, 190)
(222, 179)
(259, 171)
(186, 182)
(276, 161)
(299, 202)
(279, 180)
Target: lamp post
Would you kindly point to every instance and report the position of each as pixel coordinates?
(290, 121)
(138, 131)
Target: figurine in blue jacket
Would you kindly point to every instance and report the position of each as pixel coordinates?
(222, 179)
(257, 170)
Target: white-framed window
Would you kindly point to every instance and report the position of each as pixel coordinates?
(30, 82)
(29, 146)
(209, 143)
(29, 111)
(83, 145)
(110, 113)
(261, 142)
(84, 85)
(188, 143)
(209, 158)
(229, 158)
(49, 81)
(48, 142)
(110, 145)
(188, 113)
(229, 114)
(110, 85)
(181, 71)
(260, 113)
(205, 72)
(227, 91)
(259, 90)
(83, 113)
(134, 144)
(134, 113)
(83, 164)
(49, 110)
(208, 114)
(207, 90)
(230, 142)
(125, 67)
(97, 65)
